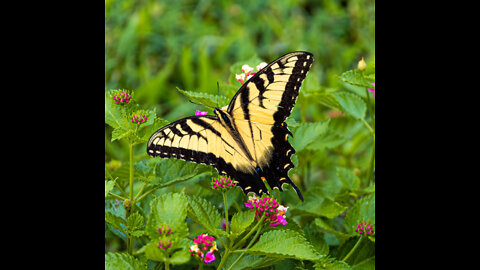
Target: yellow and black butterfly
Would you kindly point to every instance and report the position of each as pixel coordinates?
(248, 140)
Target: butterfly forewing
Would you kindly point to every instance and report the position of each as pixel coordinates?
(255, 148)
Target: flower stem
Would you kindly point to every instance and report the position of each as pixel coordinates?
(248, 246)
(226, 211)
(224, 259)
(167, 266)
(140, 192)
(372, 130)
(250, 233)
(131, 238)
(353, 249)
(118, 197)
(131, 178)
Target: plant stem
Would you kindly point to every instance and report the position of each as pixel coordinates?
(368, 127)
(131, 238)
(167, 266)
(250, 233)
(370, 109)
(372, 130)
(226, 212)
(140, 192)
(353, 249)
(372, 163)
(248, 246)
(131, 178)
(224, 259)
(118, 197)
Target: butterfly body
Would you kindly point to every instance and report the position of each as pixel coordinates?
(248, 139)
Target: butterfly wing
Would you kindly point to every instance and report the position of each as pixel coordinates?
(259, 110)
(203, 139)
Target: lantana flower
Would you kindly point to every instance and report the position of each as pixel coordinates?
(247, 72)
(223, 183)
(365, 229)
(121, 97)
(164, 241)
(274, 212)
(200, 113)
(204, 248)
(139, 117)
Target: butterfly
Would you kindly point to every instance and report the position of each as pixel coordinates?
(248, 139)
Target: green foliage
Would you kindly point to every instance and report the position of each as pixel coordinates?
(170, 52)
(284, 244)
(114, 261)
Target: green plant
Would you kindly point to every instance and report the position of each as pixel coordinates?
(158, 221)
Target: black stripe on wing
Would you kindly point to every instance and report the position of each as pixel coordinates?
(249, 182)
(164, 151)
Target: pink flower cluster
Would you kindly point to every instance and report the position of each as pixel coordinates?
(165, 229)
(247, 72)
(164, 243)
(121, 97)
(200, 113)
(363, 229)
(139, 118)
(204, 247)
(223, 183)
(274, 212)
(164, 240)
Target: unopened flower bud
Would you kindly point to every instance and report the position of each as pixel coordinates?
(362, 65)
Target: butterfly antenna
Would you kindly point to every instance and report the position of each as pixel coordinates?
(218, 94)
(201, 104)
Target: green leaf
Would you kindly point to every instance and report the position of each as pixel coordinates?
(348, 178)
(284, 244)
(317, 204)
(170, 209)
(115, 221)
(362, 211)
(307, 133)
(322, 95)
(355, 77)
(120, 133)
(205, 214)
(251, 261)
(115, 261)
(169, 171)
(113, 112)
(324, 225)
(108, 187)
(352, 104)
(329, 263)
(180, 257)
(241, 221)
(362, 258)
(205, 99)
(135, 224)
(327, 140)
(153, 253)
(316, 238)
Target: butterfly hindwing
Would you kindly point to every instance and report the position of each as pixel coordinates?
(260, 108)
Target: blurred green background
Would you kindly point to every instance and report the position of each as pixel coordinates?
(155, 46)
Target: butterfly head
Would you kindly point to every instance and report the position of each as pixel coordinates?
(223, 116)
